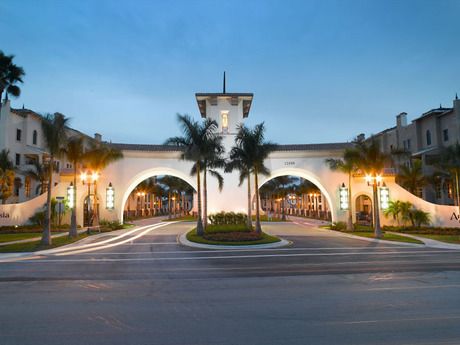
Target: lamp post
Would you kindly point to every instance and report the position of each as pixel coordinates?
(375, 180)
(91, 212)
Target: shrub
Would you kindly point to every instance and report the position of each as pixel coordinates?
(112, 225)
(340, 226)
(237, 236)
(222, 218)
(38, 218)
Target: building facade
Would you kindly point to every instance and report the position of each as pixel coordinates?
(423, 139)
(22, 136)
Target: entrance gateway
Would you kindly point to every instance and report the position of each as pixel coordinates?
(228, 110)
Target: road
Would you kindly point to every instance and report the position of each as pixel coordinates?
(324, 289)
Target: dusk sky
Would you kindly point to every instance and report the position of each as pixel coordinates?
(320, 71)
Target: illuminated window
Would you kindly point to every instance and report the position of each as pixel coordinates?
(225, 122)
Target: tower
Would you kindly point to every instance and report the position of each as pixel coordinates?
(227, 109)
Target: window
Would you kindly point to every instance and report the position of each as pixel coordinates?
(428, 138)
(18, 134)
(445, 134)
(225, 122)
(34, 138)
(408, 144)
(27, 186)
(17, 186)
(18, 159)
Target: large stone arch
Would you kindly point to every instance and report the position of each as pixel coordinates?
(308, 175)
(144, 174)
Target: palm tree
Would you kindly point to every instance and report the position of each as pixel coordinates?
(371, 160)
(10, 75)
(240, 160)
(54, 132)
(75, 153)
(394, 210)
(6, 175)
(252, 142)
(97, 158)
(212, 160)
(411, 177)
(39, 173)
(405, 210)
(449, 161)
(347, 165)
(195, 143)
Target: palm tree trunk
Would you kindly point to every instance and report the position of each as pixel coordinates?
(205, 199)
(256, 186)
(73, 216)
(350, 208)
(249, 202)
(377, 229)
(199, 223)
(46, 236)
(169, 205)
(457, 190)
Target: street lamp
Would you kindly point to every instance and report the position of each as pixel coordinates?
(375, 180)
(88, 179)
(110, 197)
(71, 195)
(344, 203)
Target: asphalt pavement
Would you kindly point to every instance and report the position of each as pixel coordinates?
(145, 288)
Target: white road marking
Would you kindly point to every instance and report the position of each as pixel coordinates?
(403, 254)
(415, 287)
(209, 251)
(110, 245)
(455, 317)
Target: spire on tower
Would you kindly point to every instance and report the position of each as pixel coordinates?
(456, 96)
(224, 83)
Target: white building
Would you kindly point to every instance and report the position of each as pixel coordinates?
(21, 134)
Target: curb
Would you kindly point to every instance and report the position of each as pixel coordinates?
(182, 239)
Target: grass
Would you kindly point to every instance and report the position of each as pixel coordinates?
(193, 237)
(264, 218)
(188, 218)
(36, 245)
(443, 238)
(19, 236)
(386, 236)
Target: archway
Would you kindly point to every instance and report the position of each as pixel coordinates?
(363, 209)
(159, 171)
(320, 208)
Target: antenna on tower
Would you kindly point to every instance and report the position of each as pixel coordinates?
(224, 82)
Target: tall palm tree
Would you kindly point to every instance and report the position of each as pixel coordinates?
(10, 75)
(54, 132)
(411, 177)
(97, 158)
(6, 175)
(39, 173)
(449, 161)
(240, 160)
(256, 150)
(371, 160)
(212, 160)
(347, 165)
(195, 144)
(75, 153)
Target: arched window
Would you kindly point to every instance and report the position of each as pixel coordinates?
(428, 138)
(34, 138)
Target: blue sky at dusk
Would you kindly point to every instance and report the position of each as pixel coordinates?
(321, 71)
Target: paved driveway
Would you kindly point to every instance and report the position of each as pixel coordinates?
(324, 289)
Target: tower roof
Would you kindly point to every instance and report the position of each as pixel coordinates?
(233, 98)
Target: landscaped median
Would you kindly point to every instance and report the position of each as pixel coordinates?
(231, 235)
(230, 230)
